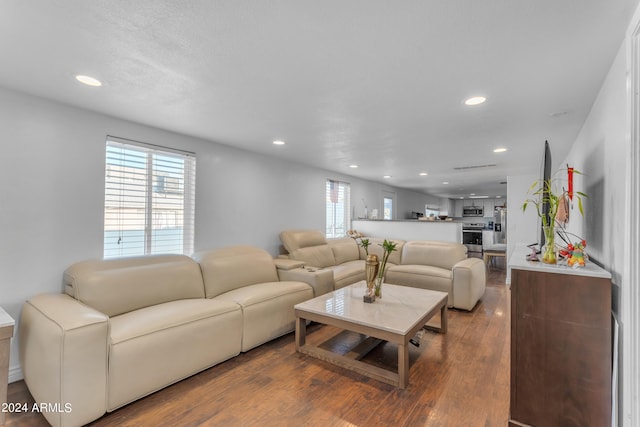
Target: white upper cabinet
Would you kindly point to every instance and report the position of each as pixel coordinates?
(457, 212)
(488, 205)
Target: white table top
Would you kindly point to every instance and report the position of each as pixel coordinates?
(5, 319)
(397, 311)
(518, 261)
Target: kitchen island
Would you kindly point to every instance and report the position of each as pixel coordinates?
(445, 231)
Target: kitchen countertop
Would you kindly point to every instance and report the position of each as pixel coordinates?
(439, 221)
(411, 229)
(518, 261)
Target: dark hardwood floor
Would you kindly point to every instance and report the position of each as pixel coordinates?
(457, 379)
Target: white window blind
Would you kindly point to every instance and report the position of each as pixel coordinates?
(337, 208)
(149, 203)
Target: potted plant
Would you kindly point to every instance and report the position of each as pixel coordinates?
(388, 247)
(546, 194)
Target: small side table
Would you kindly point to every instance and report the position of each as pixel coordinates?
(6, 332)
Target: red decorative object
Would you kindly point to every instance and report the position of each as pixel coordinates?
(570, 179)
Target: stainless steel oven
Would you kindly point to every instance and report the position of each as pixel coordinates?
(472, 236)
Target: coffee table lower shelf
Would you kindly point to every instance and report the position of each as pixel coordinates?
(351, 360)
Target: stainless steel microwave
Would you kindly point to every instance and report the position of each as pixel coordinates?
(472, 211)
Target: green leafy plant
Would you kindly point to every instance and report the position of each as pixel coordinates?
(388, 246)
(355, 235)
(545, 192)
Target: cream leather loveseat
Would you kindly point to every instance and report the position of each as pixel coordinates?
(440, 266)
(128, 327)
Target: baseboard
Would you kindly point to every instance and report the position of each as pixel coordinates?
(15, 374)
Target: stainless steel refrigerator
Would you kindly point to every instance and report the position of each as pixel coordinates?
(500, 225)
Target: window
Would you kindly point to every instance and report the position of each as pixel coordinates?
(388, 207)
(149, 200)
(337, 205)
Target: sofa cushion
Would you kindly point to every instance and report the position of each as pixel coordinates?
(423, 277)
(234, 267)
(156, 346)
(315, 256)
(267, 309)
(439, 254)
(117, 286)
(344, 249)
(347, 273)
(297, 239)
(309, 246)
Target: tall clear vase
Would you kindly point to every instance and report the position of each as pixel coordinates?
(549, 248)
(371, 271)
(378, 287)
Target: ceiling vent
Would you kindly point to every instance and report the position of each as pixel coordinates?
(461, 168)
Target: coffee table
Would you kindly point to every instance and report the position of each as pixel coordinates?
(396, 317)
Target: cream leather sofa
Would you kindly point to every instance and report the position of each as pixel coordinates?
(434, 265)
(128, 327)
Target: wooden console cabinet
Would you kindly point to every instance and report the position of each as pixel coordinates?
(561, 355)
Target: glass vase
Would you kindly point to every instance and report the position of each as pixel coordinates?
(378, 287)
(549, 248)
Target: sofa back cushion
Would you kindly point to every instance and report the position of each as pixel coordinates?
(309, 246)
(233, 267)
(118, 286)
(434, 253)
(344, 249)
(375, 248)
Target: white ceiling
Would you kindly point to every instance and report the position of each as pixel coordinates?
(373, 82)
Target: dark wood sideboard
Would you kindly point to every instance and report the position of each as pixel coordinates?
(561, 355)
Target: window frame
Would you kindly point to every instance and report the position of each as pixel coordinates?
(131, 192)
(337, 199)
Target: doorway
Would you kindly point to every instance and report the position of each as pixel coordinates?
(388, 205)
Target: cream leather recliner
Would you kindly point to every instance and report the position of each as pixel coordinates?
(247, 276)
(426, 264)
(128, 327)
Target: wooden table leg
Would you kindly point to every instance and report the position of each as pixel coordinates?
(6, 333)
(403, 365)
(443, 319)
(301, 332)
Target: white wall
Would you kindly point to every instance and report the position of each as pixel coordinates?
(52, 194)
(600, 153)
(522, 227)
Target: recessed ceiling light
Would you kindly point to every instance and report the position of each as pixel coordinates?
(89, 81)
(472, 194)
(475, 100)
(387, 176)
(423, 174)
(478, 197)
(500, 150)
(461, 197)
(353, 166)
(445, 182)
(498, 197)
(278, 142)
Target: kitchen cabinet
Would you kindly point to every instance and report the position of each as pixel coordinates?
(488, 206)
(561, 354)
(457, 212)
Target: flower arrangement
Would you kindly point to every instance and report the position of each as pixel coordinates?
(355, 235)
(545, 193)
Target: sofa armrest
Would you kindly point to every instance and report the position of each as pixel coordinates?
(63, 353)
(320, 280)
(287, 264)
(469, 280)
